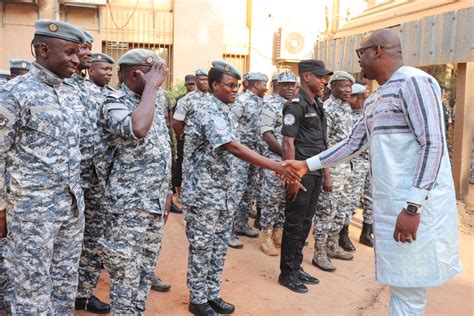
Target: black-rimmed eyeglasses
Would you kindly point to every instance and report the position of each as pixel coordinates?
(231, 86)
(360, 51)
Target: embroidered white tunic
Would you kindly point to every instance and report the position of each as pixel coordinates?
(403, 128)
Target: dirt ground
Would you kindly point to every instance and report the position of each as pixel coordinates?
(250, 280)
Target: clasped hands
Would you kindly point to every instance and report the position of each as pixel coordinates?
(291, 171)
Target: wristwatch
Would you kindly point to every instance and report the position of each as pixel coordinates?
(412, 209)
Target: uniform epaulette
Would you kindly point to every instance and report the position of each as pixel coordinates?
(295, 100)
(110, 89)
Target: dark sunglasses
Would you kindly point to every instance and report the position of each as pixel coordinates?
(360, 51)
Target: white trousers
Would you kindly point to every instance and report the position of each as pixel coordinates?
(407, 301)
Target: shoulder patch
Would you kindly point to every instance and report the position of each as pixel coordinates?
(3, 121)
(295, 100)
(289, 119)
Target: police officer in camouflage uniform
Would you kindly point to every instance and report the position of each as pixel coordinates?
(136, 176)
(208, 188)
(183, 117)
(333, 206)
(360, 167)
(272, 187)
(91, 262)
(40, 116)
(18, 67)
(247, 109)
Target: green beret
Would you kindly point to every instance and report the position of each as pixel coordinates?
(341, 75)
(101, 57)
(287, 77)
(139, 57)
(226, 69)
(257, 76)
(200, 72)
(20, 64)
(89, 37)
(61, 30)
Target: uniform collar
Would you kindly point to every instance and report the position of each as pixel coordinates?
(48, 77)
(132, 95)
(307, 98)
(252, 95)
(201, 93)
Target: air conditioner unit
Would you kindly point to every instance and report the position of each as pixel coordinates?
(84, 3)
(294, 45)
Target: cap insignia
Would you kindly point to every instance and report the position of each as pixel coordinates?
(52, 27)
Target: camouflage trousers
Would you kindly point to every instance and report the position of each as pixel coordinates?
(360, 168)
(272, 200)
(368, 213)
(245, 191)
(6, 288)
(91, 256)
(42, 259)
(333, 206)
(208, 231)
(131, 244)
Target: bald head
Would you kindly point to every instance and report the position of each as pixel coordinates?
(380, 55)
(385, 38)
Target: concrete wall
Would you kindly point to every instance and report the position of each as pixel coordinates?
(198, 35)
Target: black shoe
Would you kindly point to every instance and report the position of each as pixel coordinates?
(366, 235)
(93, 305)
(344, 240)
(203, 309)
(175, 209)
(306, 278)
(221, 307)
(293, 283)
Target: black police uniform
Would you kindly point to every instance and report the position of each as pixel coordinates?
(303, 119)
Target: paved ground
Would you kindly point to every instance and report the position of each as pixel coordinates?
(250, 281)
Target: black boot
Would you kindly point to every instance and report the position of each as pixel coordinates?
(366, 235)
(344, 240)
(92, 305)
(203, 309)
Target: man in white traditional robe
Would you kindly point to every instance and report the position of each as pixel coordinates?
(415, 216)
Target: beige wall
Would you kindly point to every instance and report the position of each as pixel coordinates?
(198, 35)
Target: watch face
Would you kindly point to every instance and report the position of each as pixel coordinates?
(412, 209)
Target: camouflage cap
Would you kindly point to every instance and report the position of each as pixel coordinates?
(287, 77)
(190, 79)
(275, 77)
(245, 77)
(358, 89)
(200, 72)
(341, 75)
(102, 58)
(257, 76)
(20, 64)
(139, 57)
(226, 69)
(4, 73)
(89, 37)
(61, 30)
